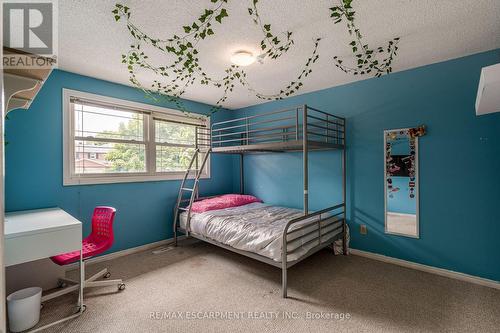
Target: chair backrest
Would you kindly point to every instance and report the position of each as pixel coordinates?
(102, 223)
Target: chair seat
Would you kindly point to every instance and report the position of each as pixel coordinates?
(90, 247)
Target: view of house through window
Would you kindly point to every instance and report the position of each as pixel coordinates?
(118, 140)
(108, 139)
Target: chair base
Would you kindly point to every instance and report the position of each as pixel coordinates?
(88, 283)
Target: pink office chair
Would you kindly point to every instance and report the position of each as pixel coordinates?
(99, 240)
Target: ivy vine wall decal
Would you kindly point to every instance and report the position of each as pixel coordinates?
(367, 59)
(175, 77)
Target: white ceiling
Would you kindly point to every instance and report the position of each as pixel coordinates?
(91, 42)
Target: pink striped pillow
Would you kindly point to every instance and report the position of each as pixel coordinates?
(223, 201)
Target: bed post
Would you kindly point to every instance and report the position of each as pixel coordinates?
(284, 266)
(242, 175)
(344, 192)
(305, 160)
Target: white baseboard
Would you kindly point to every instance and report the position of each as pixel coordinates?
(429, 269)
(125, 252)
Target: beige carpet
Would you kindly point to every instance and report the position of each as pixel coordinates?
(200, 280)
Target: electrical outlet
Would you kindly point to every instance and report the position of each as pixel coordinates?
(362, 229)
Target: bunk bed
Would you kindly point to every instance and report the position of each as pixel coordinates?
(300, 233)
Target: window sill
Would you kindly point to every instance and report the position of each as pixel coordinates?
(115, 179)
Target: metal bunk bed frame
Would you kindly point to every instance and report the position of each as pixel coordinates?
(301, 128)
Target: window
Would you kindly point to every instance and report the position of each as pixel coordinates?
(107, 140)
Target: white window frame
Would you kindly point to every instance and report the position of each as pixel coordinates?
(72, 178)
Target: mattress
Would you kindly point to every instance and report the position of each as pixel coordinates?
(258, 228)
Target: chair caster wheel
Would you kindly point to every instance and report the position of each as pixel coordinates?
(121, 286)
(107, 275)
(61, 284)
(81, 308)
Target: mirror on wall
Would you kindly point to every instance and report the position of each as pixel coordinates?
(401, 181)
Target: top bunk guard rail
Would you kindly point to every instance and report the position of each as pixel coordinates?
(282, 130)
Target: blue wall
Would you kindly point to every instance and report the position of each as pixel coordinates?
(459, 164)
(34, 167)
(277, 179)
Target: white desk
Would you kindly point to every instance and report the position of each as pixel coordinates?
(42, 233)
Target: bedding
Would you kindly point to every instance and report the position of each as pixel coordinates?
(257, 228)
(223, 201)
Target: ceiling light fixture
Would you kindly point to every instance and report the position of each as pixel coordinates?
(242, 58)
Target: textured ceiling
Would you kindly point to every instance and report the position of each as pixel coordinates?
(91, 42)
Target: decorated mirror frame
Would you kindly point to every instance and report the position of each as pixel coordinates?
(408, 163)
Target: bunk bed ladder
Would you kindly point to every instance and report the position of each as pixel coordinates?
(192, 190)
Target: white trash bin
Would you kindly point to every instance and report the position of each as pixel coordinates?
(23, 307)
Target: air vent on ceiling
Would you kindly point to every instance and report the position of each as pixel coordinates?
(488, 94)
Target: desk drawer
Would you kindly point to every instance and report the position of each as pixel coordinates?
(31, 247)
